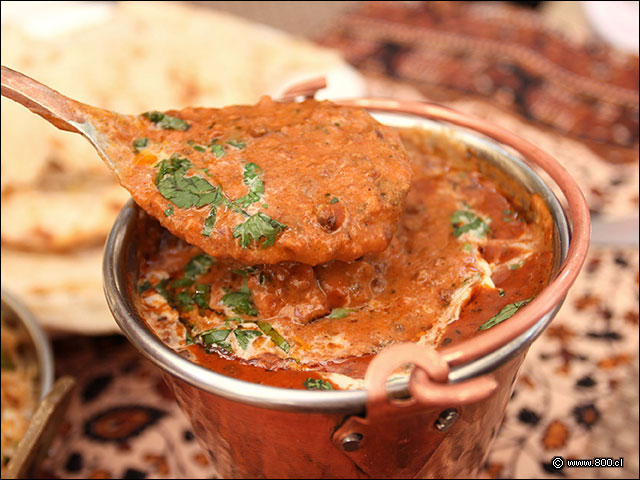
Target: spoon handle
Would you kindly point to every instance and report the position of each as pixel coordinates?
(61, 111)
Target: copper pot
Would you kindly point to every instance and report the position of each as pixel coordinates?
(454, 400)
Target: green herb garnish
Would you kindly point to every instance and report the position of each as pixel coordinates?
(140, 144)
(217, 150)
(187, 298)
(198, 265)
(273, 334)
(199, 148)
(256, 227)
(181, 283)
(182, 191)
(209, 222)
(317, 384)
(160, 287)
(184, 301)
(334, 200)
(507, 312)
(467, 247)
(167, 122)
(216, 337)
(466, 221)
(240, 302)
(515, 266)
(244, 336)
(245, 272)
(340, 313)
(235, 319)
(237, 144)
(252, 177)
(501, 292)
(169, 211)
(143, 287)
(202, 295)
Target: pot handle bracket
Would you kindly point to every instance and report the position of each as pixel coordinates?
(397, 437)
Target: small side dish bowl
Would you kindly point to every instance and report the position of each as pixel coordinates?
(29, 355)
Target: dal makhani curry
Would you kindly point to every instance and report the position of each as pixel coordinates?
(464, 258)
(308, 236)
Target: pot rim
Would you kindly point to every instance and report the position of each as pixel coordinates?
(471, 357)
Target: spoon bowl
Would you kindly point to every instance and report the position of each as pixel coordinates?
(277, 181)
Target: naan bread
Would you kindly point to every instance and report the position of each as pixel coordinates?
(57, 196)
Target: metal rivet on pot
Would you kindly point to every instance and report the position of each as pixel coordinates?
(446, 419)
(351, 442)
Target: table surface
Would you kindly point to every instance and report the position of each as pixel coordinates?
(577, 393)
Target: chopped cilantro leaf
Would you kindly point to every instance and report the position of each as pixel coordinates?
(209, 222)
(467, 247)
(188, 339)
(245, 271)
(273, 334)
(507, 312)
(198, 265)
(160, 287)
(140, 144)
(216, 338)
(334, 200)
(501, 292)
(256, 227)
(466, 221)
(340, 313)
(202, 295)
(244, 336)
(143, 287)
(240, 302)
(185, 192)
(185, 301)
(317, 384)
(252, 177)
(188, 297)
(515, 266)
(217, 150)
(181, 283)
(169, 211)
(166, 122)
(237, 144)
(199, 148)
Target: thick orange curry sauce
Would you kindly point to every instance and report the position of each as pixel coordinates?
(429, 286)
(288, 153)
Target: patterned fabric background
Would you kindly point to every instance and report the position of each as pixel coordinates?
(487, 59)
(577, 394)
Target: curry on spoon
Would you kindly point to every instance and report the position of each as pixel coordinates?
(277, 181)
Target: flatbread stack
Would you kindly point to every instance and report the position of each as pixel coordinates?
(58, 199)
